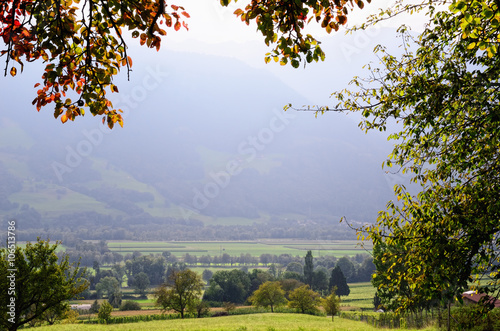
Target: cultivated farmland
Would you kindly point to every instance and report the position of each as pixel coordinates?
(337, 248)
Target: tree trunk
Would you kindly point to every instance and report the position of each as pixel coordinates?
(449, 315)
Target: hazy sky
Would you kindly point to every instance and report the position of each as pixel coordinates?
(212, 23)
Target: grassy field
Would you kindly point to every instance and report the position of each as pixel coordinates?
(255, 322)
(360, 297)
(336, 248)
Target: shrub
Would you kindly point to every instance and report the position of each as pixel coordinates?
(104, 313)
(220, 313)
(475, 317)
(130, 305)
(70, 317)
(229, 306)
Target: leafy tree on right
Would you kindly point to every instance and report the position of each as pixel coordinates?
(444, 93)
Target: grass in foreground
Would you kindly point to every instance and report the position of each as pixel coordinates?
(255, 322)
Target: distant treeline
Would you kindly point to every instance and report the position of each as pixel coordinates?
(95, 226)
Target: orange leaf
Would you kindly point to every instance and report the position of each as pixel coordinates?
(13, 71)
(64, 118)
(177, 26)
(185, 14)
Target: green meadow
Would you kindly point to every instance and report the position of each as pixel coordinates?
(360, 297)
(253, 322)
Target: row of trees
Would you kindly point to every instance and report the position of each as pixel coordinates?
(182, 292)
(145, 227)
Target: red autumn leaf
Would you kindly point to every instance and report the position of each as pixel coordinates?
(177, 26)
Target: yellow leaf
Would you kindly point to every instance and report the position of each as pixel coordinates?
(13, 71)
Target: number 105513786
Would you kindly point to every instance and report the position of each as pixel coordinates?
(11, 238)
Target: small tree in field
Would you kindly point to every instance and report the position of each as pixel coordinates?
(268, 294)
(181, 291)
(104, 313)
(199, 307)
(304, 299)
(331, 303)
(229, 306)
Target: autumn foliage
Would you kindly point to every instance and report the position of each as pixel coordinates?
(82, 45)
(83, 42)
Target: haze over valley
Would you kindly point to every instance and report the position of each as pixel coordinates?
(206, 152)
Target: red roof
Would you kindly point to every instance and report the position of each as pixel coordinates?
(476, 297)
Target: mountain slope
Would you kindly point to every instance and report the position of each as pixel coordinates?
(205, 138)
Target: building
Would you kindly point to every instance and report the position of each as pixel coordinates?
(472, 297)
